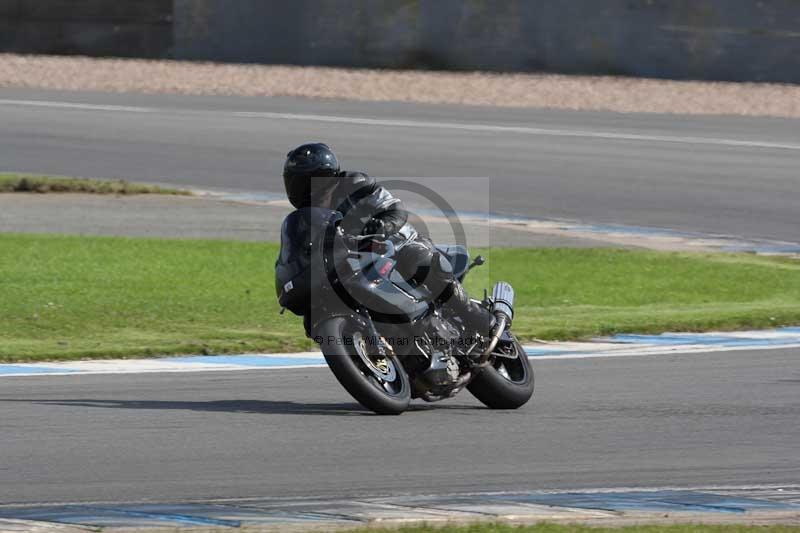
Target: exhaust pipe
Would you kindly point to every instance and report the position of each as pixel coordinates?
(503, 309)
(503, 300)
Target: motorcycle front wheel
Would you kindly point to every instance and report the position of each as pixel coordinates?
(507, 383)
(379, 383)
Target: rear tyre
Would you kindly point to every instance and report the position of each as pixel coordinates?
(508, 382)
(378, 383)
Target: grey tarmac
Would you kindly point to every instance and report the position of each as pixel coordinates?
(636, 169)
(183, 217)
(725, 418)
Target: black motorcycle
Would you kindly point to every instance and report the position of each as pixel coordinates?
(388, 340)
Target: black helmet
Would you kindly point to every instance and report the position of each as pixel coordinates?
(314, 160)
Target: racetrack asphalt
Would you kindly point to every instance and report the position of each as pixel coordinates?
(668, 420)
(723, 418)
(187, 217)
(728, 175)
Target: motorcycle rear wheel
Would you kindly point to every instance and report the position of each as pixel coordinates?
(506, 383)
(379, 383)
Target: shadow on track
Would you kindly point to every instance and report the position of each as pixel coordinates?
(224, 406)
(234, 406)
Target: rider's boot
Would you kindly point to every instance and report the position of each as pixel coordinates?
(475, 316)
(452, 294)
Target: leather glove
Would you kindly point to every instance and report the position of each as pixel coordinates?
(375, 226)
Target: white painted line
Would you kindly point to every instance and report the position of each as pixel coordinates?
(184, 370)
(518, 129)
(482, 128)
(171, 365)
(639, 351)
(753, 488)
(71, 105)
(618, 346)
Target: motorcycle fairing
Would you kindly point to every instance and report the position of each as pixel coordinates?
(387, 296)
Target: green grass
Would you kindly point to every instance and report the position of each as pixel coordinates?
(12, 182)
(567, 293)
(576, 528)
(66, 297)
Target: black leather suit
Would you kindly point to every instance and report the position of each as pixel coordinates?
(360, 198)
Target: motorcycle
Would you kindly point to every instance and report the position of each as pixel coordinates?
(386, 339)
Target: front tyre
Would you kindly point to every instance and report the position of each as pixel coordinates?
(378, 383)
(507, 383)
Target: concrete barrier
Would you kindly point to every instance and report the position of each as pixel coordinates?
(126, 28)
(741, 40)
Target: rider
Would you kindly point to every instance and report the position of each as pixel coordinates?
(313, 178)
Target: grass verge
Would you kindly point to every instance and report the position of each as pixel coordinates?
(577, 528)
(68, 297)
(12, 182)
